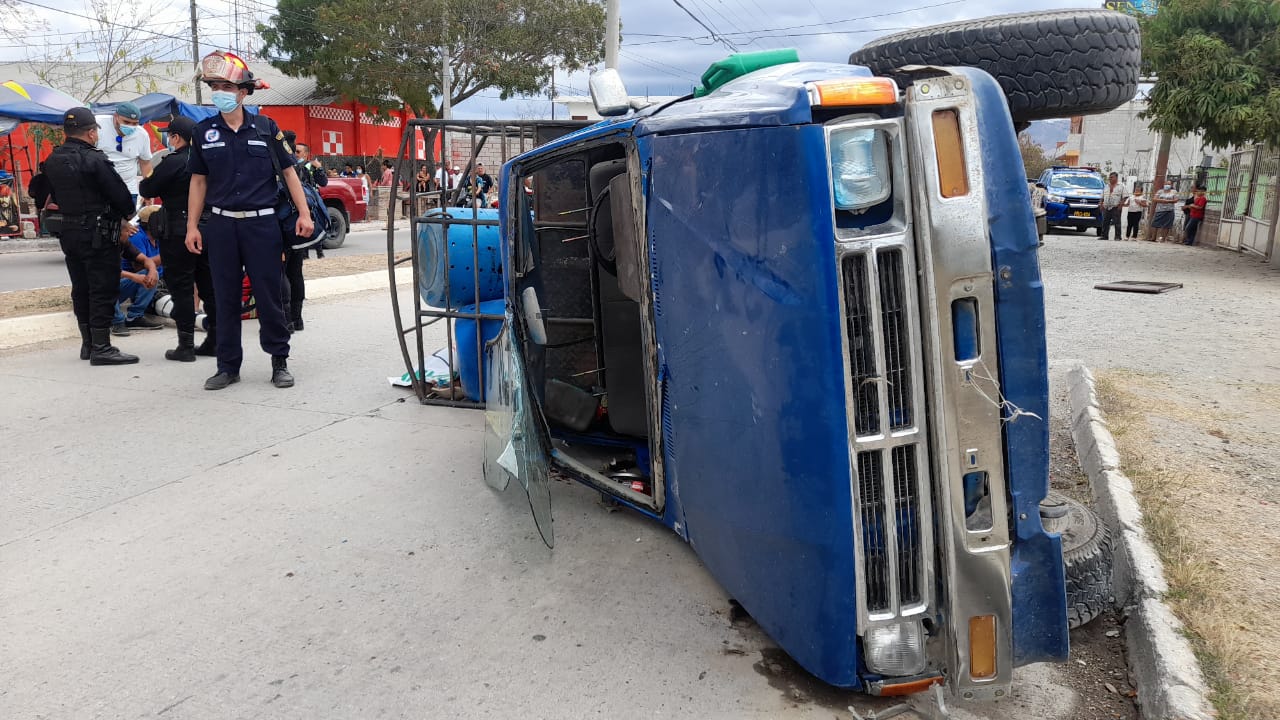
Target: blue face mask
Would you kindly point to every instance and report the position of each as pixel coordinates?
(225, 101)
(127, 130)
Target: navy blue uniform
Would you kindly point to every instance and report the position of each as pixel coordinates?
(90, 195)
(241, 177)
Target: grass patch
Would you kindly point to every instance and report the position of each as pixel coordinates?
(1215, 618)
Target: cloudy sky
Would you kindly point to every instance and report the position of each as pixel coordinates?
(665, 46)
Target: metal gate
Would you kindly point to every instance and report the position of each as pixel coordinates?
(435, 212)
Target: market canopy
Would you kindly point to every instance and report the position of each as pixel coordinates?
(21, 103)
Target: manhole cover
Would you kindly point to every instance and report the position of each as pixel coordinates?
(1138, 286)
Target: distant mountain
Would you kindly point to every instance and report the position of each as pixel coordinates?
(1048, 133)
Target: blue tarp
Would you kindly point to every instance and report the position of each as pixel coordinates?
(155, 107)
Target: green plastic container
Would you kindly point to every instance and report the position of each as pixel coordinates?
(739, 64)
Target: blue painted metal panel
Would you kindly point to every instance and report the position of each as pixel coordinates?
(1039, 588)
(745, 285)
(768, 97)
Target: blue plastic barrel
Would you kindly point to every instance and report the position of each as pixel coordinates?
(462, 258)
(464, 339)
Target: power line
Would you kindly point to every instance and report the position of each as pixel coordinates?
(706, 27)
(102, 21)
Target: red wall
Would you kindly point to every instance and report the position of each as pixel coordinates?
(340, 129)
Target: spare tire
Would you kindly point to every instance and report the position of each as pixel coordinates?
(1086, 556)
(1050, 64)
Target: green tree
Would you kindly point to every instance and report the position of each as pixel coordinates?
(1218, 64)
(1034, 158)
(385, 53)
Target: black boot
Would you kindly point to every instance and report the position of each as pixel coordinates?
(221, 380)
(85, 341)
(209, 347)
(296, 311)
(101, 351)
(186, 350)
(280, 376)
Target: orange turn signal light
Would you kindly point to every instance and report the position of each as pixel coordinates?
(982, 647)
(854, 91)
(953, 176)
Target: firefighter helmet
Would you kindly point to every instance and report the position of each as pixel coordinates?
(219, 66)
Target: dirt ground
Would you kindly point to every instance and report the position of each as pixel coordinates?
(1190, 382)
(58, 299)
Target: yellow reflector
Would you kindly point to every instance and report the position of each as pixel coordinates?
(859, 91)
(982, 647)
(953, 177)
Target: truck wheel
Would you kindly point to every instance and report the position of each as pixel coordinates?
(1086, 556)
(337, 229)
(1050, 64)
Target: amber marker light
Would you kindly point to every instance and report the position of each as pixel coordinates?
(853, 92)
(982, 647)
(953, 176)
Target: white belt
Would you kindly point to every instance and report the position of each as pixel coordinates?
(242, 214)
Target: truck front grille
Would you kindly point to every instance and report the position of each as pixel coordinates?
(881, 313)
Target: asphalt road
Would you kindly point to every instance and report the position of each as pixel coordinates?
(31, 270)
(331, 551)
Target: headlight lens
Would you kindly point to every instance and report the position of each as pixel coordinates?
(1055, 198)
(895, 650)
(859, 168)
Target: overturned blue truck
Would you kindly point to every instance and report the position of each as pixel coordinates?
(797, 318)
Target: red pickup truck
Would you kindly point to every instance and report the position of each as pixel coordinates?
(348, 201)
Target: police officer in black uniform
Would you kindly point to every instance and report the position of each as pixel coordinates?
(295, 283)
(183, 269)
(234, 177)
(94, 203)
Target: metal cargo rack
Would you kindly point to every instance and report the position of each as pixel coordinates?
(476, 141)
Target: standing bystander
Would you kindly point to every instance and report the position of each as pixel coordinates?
(1162, 220)
(1196, 215)
(129, 147)
(1110, 203)
(1137, 206)
(232, 169)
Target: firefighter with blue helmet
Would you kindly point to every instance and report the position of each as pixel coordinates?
(234, 184)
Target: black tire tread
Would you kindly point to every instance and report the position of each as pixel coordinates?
(1086, 562)
(1050, 64)
(334, 240)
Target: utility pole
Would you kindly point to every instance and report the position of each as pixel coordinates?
(1162, 168)
(611, 34)
(195, 50)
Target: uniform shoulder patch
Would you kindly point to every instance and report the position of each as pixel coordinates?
(280, 135)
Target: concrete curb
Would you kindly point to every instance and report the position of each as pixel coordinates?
(1170, 683)
(17, 245)
(31, 329)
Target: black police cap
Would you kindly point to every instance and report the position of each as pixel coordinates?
(80, 118)
(182, 127)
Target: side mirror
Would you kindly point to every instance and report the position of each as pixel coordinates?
(608, 93)
(532, 312)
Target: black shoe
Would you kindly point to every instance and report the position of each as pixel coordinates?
(296, 325)
(280, 376)
(142, 322)
(120, 330)
(221, 380)
(101, 352)
(85, 341)
(186, 350)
